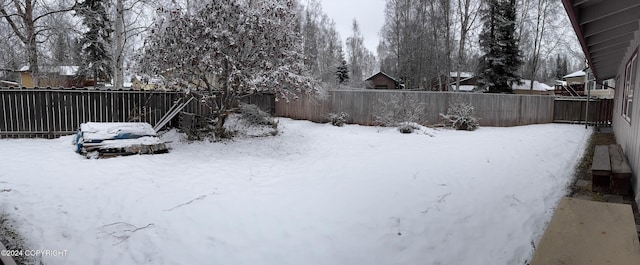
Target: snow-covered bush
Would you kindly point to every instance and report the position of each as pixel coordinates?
(337, 119)
(395, 111)
(226, 50)
(408, 127)
(239, 126)
(460, 117)
(255, 116)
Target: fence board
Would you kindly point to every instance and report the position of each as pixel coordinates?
(574, 111)
(51, 113)
(361, 105)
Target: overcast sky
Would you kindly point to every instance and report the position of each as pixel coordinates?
(368, 13)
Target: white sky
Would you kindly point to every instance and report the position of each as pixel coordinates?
(368, 13)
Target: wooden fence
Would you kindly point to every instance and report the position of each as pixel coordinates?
(51, 113)
(493, 109)
(573, 110)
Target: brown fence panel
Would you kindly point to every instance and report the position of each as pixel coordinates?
(51, 112)
(492, 109)
(574, 110)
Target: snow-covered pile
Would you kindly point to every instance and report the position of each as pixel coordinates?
(110, 130)
(315, 194)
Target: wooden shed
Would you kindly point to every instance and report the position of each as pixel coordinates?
(382, 81)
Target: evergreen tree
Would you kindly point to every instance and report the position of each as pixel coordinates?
(565, 68)
(96, 41)
(498, 67)
(342, 73)
(558, 74)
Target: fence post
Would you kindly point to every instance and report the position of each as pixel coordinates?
(47, 109)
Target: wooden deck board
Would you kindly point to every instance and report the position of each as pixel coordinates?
(585, 232)
(601, 159)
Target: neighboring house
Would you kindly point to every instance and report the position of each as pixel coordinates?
(609, 33)
(468, 82)
(571, 84)
(53, 76)
(538, 88)
(382, 81)
(575, 78)
(147, 83)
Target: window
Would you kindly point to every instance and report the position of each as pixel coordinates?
(631, 71)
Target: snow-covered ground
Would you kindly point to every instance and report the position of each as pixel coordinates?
(316, 194)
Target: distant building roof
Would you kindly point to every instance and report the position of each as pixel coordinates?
(61, 70)
(383, 73)
(575, 74)
(68, 70)
(462, 74)
(536, 86)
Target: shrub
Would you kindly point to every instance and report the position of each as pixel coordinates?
(460, 117)
(408, 127)
(395, 111)
(255, 116)
(338, 119)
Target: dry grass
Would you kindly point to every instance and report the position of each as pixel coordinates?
(12, 240)
(583, 169)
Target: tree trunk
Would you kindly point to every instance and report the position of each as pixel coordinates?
(446, 11)
(32, 48)
(118, 68)
(32, 54)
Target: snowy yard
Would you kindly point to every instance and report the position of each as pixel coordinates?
(316, 194)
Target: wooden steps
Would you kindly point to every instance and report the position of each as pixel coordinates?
(601, 169)
(610, 170)
(586, 232)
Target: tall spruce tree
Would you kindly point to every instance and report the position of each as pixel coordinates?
(558, 74)
(342, 71)
(498, 67)
(96, 41)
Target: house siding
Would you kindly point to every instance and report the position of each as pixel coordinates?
(26, 80)
(381, 80)
(627, 133)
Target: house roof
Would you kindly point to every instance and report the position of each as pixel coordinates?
(462, 74)
(536, 86)
(605, 30)
(68, 70)
(384, 74)
(575, 74)
(61, 70)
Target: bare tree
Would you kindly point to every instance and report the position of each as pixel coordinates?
(542, 11)
(24, 18)
(118, 39)
(467, 11)
(359, 57)
(417, 41)
(132, 20)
